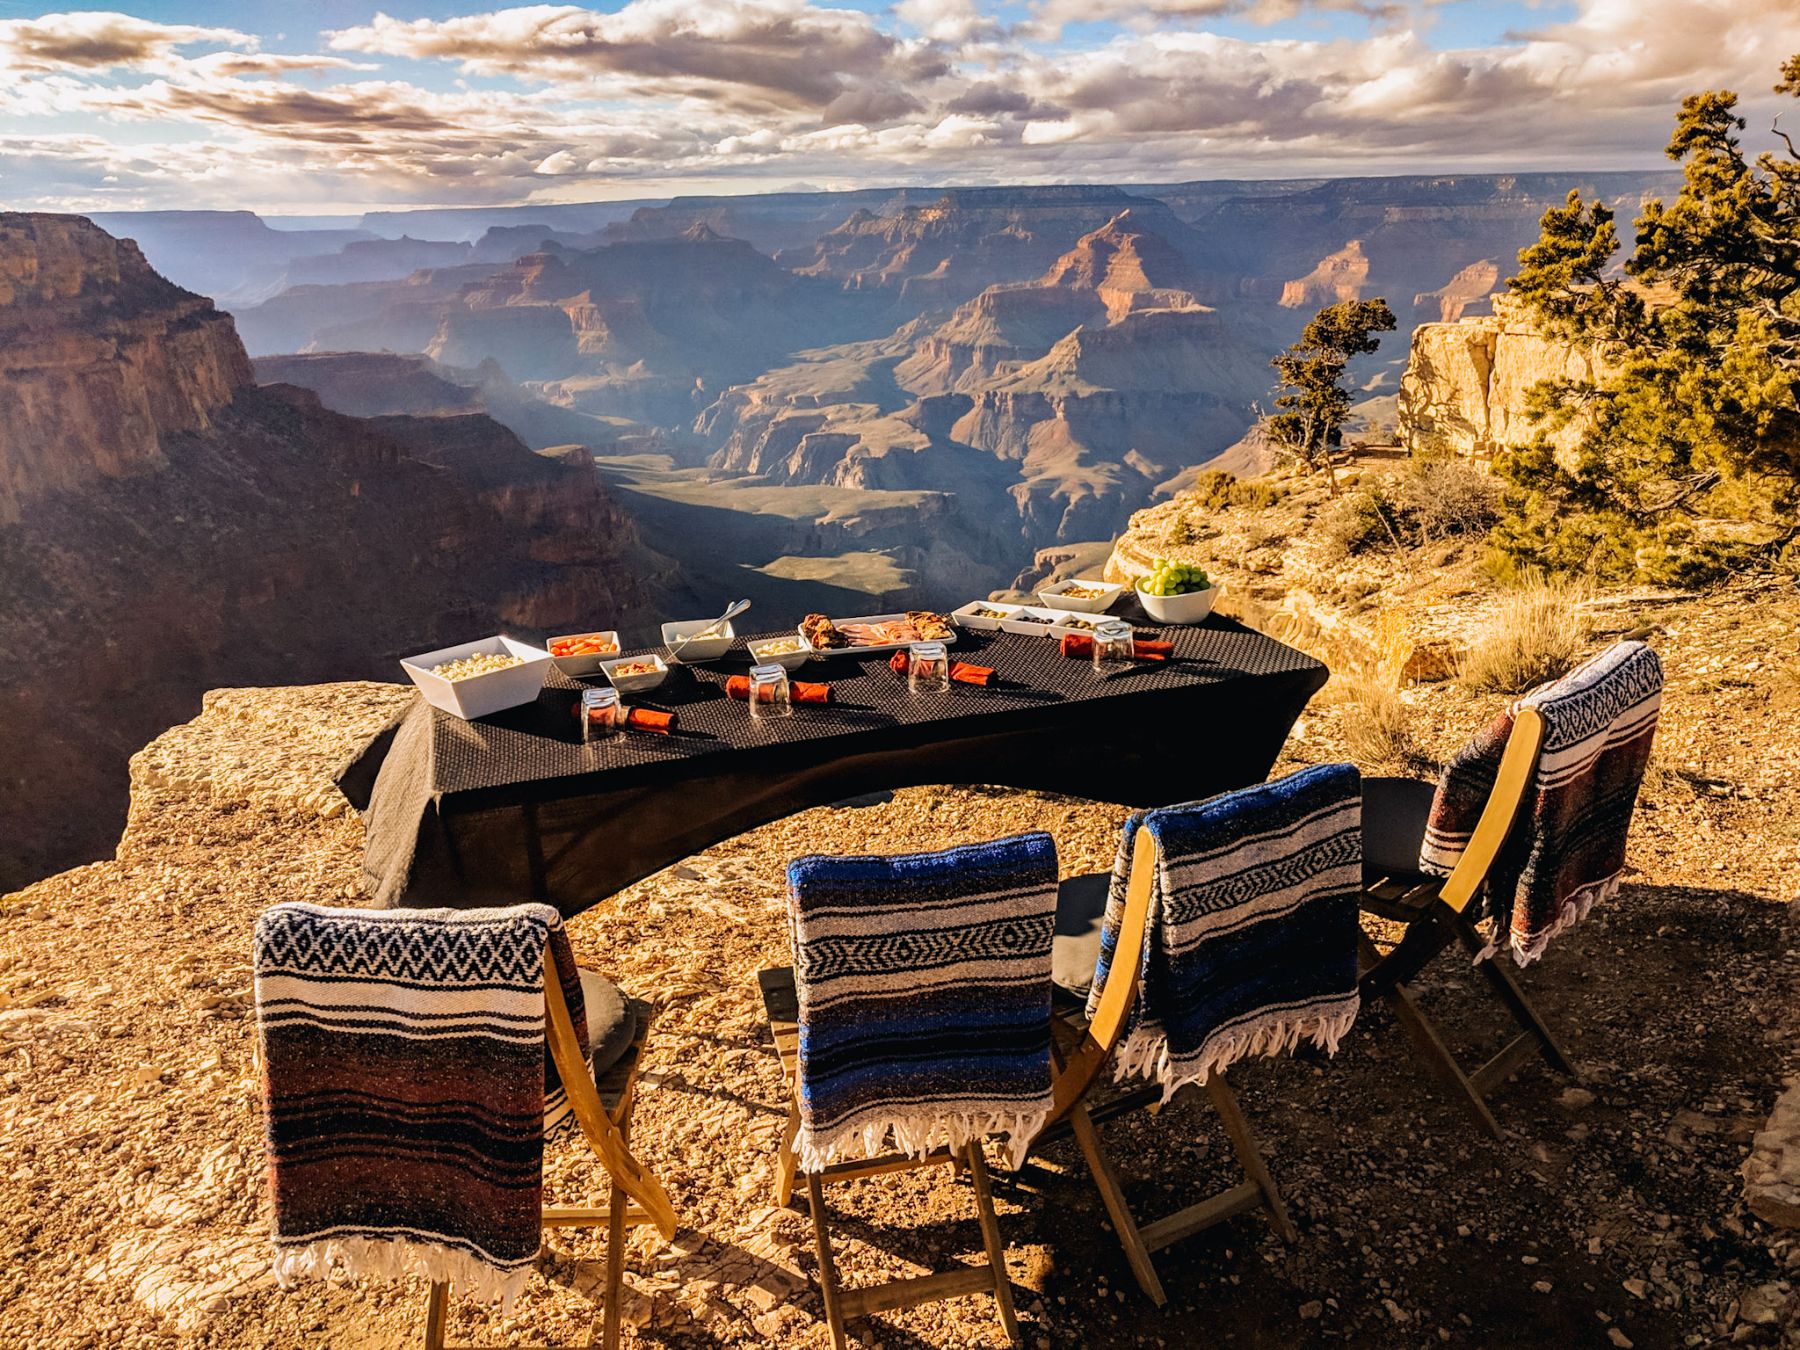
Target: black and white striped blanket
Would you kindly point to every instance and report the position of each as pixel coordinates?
(1251, 943)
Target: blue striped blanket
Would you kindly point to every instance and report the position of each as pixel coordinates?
(1251, 946)
(404, 1075)
(1568, 849)
(924, 991)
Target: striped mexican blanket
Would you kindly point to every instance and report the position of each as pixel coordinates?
(1251, 945)
(924, 990)
(1599, 721)
(404, 1079)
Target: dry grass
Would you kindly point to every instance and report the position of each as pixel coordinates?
(1377, 725)
(1537, 632)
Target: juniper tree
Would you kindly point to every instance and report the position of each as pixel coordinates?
(1686, 452)
(1314, 403)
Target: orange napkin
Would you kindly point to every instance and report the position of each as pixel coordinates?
(964, 673)
(738, 686)
(1143, 649)
(649, 719)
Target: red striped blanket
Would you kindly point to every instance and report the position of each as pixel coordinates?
(405, 1086)
(1568, 848)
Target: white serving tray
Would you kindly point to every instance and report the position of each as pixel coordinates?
(481, 694)
(876, 650)
(1060, 620)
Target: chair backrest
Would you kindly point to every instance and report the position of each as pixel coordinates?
(1504, 805)
(1107, 1026)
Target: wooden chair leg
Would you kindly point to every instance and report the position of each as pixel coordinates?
(611, 1314)
(828, 1282)
(1250, 1157)
(435, 1315)
(1506, 987)
(1112, 1195)
(990, 1236)
(785, 1159)
(1425, 1038)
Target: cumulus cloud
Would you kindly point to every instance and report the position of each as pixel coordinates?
(101, 41)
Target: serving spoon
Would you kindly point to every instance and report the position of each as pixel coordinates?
(735, 608)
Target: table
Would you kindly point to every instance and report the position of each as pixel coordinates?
(515, 806)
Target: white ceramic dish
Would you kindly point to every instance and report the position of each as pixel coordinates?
(1058, 597)
(700, 649)
(966, 617)
(879, 647)
(480, 695)
(786, 660)
(635, 684)
(590, 663)
(1189, 608)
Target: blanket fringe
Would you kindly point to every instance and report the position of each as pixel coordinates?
(363, 1258)
(917, 1135)
(1573, 910)
(1145, 1053)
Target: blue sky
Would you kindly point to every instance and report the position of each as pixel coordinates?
(337, 106)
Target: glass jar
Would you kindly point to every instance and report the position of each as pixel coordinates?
(770, 695)
(928, 668)
(1112, 645)
(601, 713)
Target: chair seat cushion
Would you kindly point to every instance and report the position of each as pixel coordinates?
(1080, 908)
(612, 1026)
(1393, 815)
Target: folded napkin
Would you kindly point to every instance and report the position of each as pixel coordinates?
(962, 672)
(1251, 941)
(404, 1073)
(1569, 847)
(1142, 649)
(924, 990)
(738, 686)
(649, 719)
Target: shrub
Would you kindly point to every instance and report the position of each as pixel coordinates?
(1367, 519)
(1216, 490)
(1537, 633)
(1367, 675)
(1444, 497)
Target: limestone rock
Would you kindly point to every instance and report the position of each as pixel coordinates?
(1772, 1171)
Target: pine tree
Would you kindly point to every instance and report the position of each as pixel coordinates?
(1686, 460)
(1314, 402)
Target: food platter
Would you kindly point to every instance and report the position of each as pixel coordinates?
(871, 648)
(1026, 620)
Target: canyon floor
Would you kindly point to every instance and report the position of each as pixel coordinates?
(131, 1192)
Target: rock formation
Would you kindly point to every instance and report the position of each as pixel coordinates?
(102, 361)
(1465, 384)
(173, 527)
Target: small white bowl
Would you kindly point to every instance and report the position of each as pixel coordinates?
(1189, 608)
(701, 649)
(588, 664)
(634, 684)
(480, 695)
(786, 660)
(1058, 597)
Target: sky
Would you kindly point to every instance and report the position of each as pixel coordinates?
(335, 106)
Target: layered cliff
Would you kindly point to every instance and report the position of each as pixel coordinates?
(102, 361)
(254, 537)
(1465, 386)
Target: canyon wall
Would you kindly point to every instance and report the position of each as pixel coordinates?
(1464, 390)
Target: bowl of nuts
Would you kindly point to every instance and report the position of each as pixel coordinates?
(473, 679)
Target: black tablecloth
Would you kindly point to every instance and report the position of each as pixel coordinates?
(515, 806)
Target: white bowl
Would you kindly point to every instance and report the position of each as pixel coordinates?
(1057, 596)
(632, 684)
(1189, 608)
(702, 649)
(786, 660)
(480, 695)
(590, 663)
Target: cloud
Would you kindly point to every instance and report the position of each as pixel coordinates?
(756, 53)
(98, 41)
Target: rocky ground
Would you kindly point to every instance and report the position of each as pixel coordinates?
(1613, 1213)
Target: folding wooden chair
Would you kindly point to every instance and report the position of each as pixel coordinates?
(603, 1110)
(1085, 1048)
(782, 1004)
(1436, 913)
